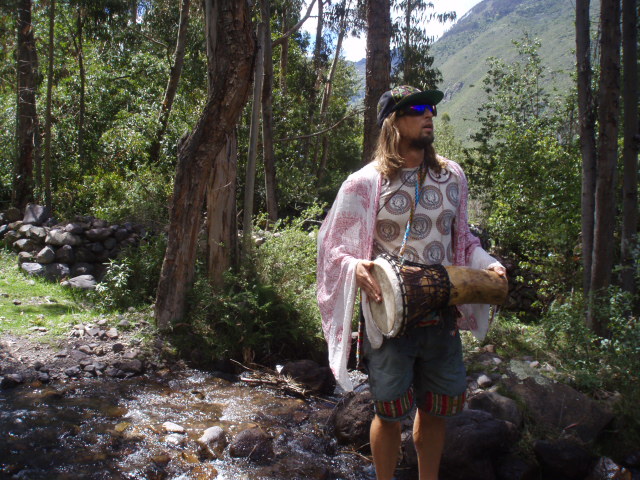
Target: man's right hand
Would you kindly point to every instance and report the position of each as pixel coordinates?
(366, 281)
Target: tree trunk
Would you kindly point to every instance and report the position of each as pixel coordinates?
(631, 144)
(284, 54)
(407, 41)
(47, 119)
(378, 70)
(83, 87)
(326, 97)
(133, 12)
(608, 112)
(26, 108)
(172, 84)
(267, 119)
(230, 55)
(587, 118)
(250, 179)
(221, 213)
(318, 68)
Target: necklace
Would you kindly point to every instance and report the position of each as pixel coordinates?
(422, 173)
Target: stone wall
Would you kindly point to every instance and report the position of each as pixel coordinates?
(75, 252)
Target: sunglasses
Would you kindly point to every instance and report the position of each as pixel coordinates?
(420, 109)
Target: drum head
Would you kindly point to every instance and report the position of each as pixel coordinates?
(387, 314)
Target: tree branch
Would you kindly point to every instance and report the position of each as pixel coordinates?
(294, 29)
(310, 135)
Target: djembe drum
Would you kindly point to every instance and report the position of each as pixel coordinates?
(410, 291)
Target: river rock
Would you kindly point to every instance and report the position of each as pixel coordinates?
(352, 418)
(171, 427)
(112, 333)
(59, 238)
(35, 214)
(314, 377)
(129, 366)
(32, 268)
(56, 271)
(175, 439)
(46, 255)
(65, 254)
(564, 459)
(4, 229)
(11, 380)
(500, 407)
(473, 440)
(72, 371)
(253, 443)
(214, 440)
(556, 405)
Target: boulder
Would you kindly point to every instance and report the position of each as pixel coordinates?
(56, 271)
(213, 440)
(500, 407)
(58, 238)
(474, 439)
(311, 375)
(82, 268)
(563, 458)
(25, 245)
(25, 257)
(98, 234)
(12, 215)
(76, 228)
(65, 254)
(556, 405)
(253, 443)
(352, 418)
(35, 214)
(84, 255)
(31, 268)
(83, 282)
(10, 237)
(46, 255)
(38, 234)
(3, 230)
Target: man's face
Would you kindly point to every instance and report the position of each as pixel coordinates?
(416, 127)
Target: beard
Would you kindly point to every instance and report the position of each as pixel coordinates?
(423, 142)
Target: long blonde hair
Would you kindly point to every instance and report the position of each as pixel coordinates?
(389, 161)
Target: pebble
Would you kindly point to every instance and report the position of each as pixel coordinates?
(131, 354)
(102, 322)
(17, 302)
(117, 347)
(534, 364)
(484, 381)
(62, 353)
(85, 349)
(11, 380)
(72, 372)
(112, 333)
(174, 439)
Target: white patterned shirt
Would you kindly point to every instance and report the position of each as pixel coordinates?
(430, 238)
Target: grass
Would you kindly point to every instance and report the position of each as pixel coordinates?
(27, 302)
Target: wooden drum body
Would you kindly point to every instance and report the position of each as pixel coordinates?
(410, 291)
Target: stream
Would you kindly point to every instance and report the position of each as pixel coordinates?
(112, 429)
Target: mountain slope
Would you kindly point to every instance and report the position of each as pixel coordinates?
(488, 30)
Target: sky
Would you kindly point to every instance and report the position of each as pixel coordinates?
(355, 48)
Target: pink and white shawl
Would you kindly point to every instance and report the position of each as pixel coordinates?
(346, 237)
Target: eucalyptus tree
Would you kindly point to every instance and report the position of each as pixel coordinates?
(230, 47)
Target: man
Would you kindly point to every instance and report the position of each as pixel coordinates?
(410, 203)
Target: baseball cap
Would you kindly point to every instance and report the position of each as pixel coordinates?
(403, 96)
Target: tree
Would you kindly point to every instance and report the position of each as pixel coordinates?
(172, 84)
(631, 144)
(27, 119)
(378, 71)
(47, 121)
(411, 43)
(230, 53)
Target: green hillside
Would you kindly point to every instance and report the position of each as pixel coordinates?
(488, 30)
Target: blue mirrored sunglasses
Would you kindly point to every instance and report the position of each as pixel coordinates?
(420, 109)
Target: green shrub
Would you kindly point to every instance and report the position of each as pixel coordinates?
(132, 278)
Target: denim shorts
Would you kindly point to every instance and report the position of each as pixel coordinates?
(423, 367)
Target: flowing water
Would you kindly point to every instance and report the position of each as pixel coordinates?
(113, 430)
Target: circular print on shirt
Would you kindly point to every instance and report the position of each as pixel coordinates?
(449, 254)
(440, 177)
(421, 226)
(387, 230)
(444, 222)
(434, 253)
(409, 177)
(431, 198)
(398, 204)
(410, 253)
(453, 193)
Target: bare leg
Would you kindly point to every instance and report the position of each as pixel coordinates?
(385, 442)
(428, 437)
